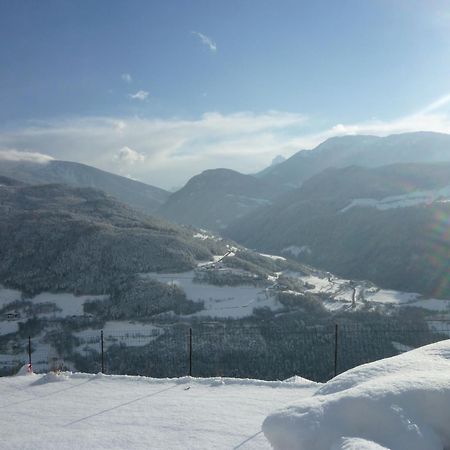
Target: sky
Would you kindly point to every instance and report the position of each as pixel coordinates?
(161, 90)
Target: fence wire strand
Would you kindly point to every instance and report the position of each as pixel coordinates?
(316, 353)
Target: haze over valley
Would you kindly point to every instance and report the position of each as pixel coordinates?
(85, 250)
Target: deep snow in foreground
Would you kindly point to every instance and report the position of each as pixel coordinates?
(399, 403)
(79, 411)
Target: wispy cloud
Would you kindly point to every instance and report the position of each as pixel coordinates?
(206, 40)
(129, 156)
(126, 77)
(139, 95)
(167, 152)
(429, 118)
(15, 155)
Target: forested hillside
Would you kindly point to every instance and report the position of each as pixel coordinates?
(141, 196)
(216, 197)
(386, 225)
(60, 238)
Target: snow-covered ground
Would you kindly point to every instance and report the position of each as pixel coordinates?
(346, 294)
(7, 327)
(220, 301)
(294, 250)
(392, 297)
(8, 296)
(399, 403)
(67, 304)
(118, 332)
(432, 304)
(274, 257)
(402, 201)
(115, 412)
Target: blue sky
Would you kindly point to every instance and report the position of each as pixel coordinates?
(160, 90)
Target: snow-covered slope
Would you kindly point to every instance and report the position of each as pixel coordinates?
(403, 201)
(364, 151)
(400, 403)
(221, 301)
(221, 305)
(342, 294)
(138, 195)
(385, 224)
(216, 197)
(79, 411)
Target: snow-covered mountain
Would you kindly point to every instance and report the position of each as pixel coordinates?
(56, 237)
(216, 197)
(75, 261)
(139, 195)
(365, 151)
(383, 224)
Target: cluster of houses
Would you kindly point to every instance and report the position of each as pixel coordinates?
(15, 315)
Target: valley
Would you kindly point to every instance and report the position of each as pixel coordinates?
(228, 301)
(81, 270)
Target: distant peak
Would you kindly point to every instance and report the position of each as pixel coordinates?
(218, 171)
(278, 160)
(353, 138)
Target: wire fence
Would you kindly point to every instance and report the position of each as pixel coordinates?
(317, 353)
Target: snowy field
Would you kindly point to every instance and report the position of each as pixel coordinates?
(220, 301)
(8, 296)
(67, 304)
(402, 201)
(118, 332)
(116, 412)
(399, 403)
(347, 294)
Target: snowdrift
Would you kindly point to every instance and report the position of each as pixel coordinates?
(75, 411)
(399, 403)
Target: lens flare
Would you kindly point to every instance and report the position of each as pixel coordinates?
(438, 251)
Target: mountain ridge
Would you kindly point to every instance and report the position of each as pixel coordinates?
(216, 196)
(137, 194)
(361, 150)
(378, 224)
(57, 237)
